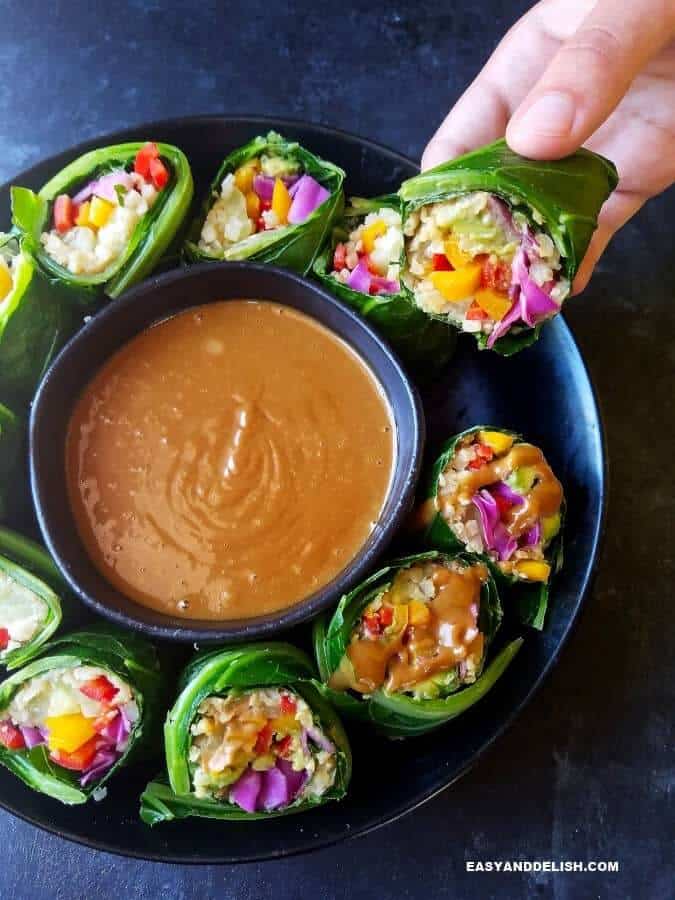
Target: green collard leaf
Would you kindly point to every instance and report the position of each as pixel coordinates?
(127, 655)
(36, 318)
(11, 441)
(149, 241)
(294, 246)
(563, 197)
(400, 715)
(425, 344)
(530, 600)
(219, 672)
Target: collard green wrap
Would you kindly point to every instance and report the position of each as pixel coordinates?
(28, 564)
(11, 441)
(424, 343)
(151, 238)
(123, 653)
(398, 715)
(292, 246)
(564, 195)
(530, 599)
(36, 319)
(221, 672)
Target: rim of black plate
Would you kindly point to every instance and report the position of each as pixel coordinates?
(442, 783)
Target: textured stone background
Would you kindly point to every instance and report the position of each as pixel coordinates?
(587, 771)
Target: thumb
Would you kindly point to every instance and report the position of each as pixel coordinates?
(588, 76)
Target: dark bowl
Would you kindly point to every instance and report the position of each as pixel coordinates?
(154, 300)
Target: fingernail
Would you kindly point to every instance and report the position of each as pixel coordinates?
(551, 115)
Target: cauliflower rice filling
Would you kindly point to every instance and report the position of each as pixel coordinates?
(264, 193)
(58, 692)
(478, 235)
(22, 614)
(420, 635)
(227, 222)
(83, 715)
(378, 241)
(86, 249)
(259, 749)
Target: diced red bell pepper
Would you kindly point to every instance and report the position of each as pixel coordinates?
(159, 173)
(288, 705)
(99, 688)
(441, 263)
(79, 759)
(281, 747)
(386, 616)
(264, 739)
(64, 213)
(372, 623)
(475, 312)
(373, 288)
(11, 737)
(339, 257)
(483, 455)
(265, 205)
(495, 275)
(4, 638)
(484, 452)
(260, 224)
(144, 158)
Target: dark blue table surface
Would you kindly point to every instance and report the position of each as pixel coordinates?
(587, 772)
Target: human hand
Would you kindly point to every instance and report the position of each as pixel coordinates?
(574, 72)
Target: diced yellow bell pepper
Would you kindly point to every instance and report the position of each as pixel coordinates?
(458, 285)
(281, 201)
(82, 217)
(99, 211)
(418, 613)
(253, 205)
(69, 732)
(532, 569)
(244, 175)
(496, 305)
(283, 724)
(370, 234)
(5, 281)
(457, 257)
(496, 441)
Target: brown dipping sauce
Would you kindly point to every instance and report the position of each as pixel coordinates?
(229, 461)
(541, 501)
(421, 651)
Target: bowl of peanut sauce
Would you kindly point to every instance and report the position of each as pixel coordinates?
(222, 453)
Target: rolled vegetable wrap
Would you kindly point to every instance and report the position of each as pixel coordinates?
(495, 495)
(104, 222)
(11, 439)
(76, 714)
(361, 266)
(271, 201)
(35, 320)
(31, 591)
(493, 241)
(407, 649)
(249, 737)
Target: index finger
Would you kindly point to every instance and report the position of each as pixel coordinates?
(482, 112)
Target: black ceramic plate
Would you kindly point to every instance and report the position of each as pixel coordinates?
(543, 392)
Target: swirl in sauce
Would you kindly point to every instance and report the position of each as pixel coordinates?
(228, 461)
